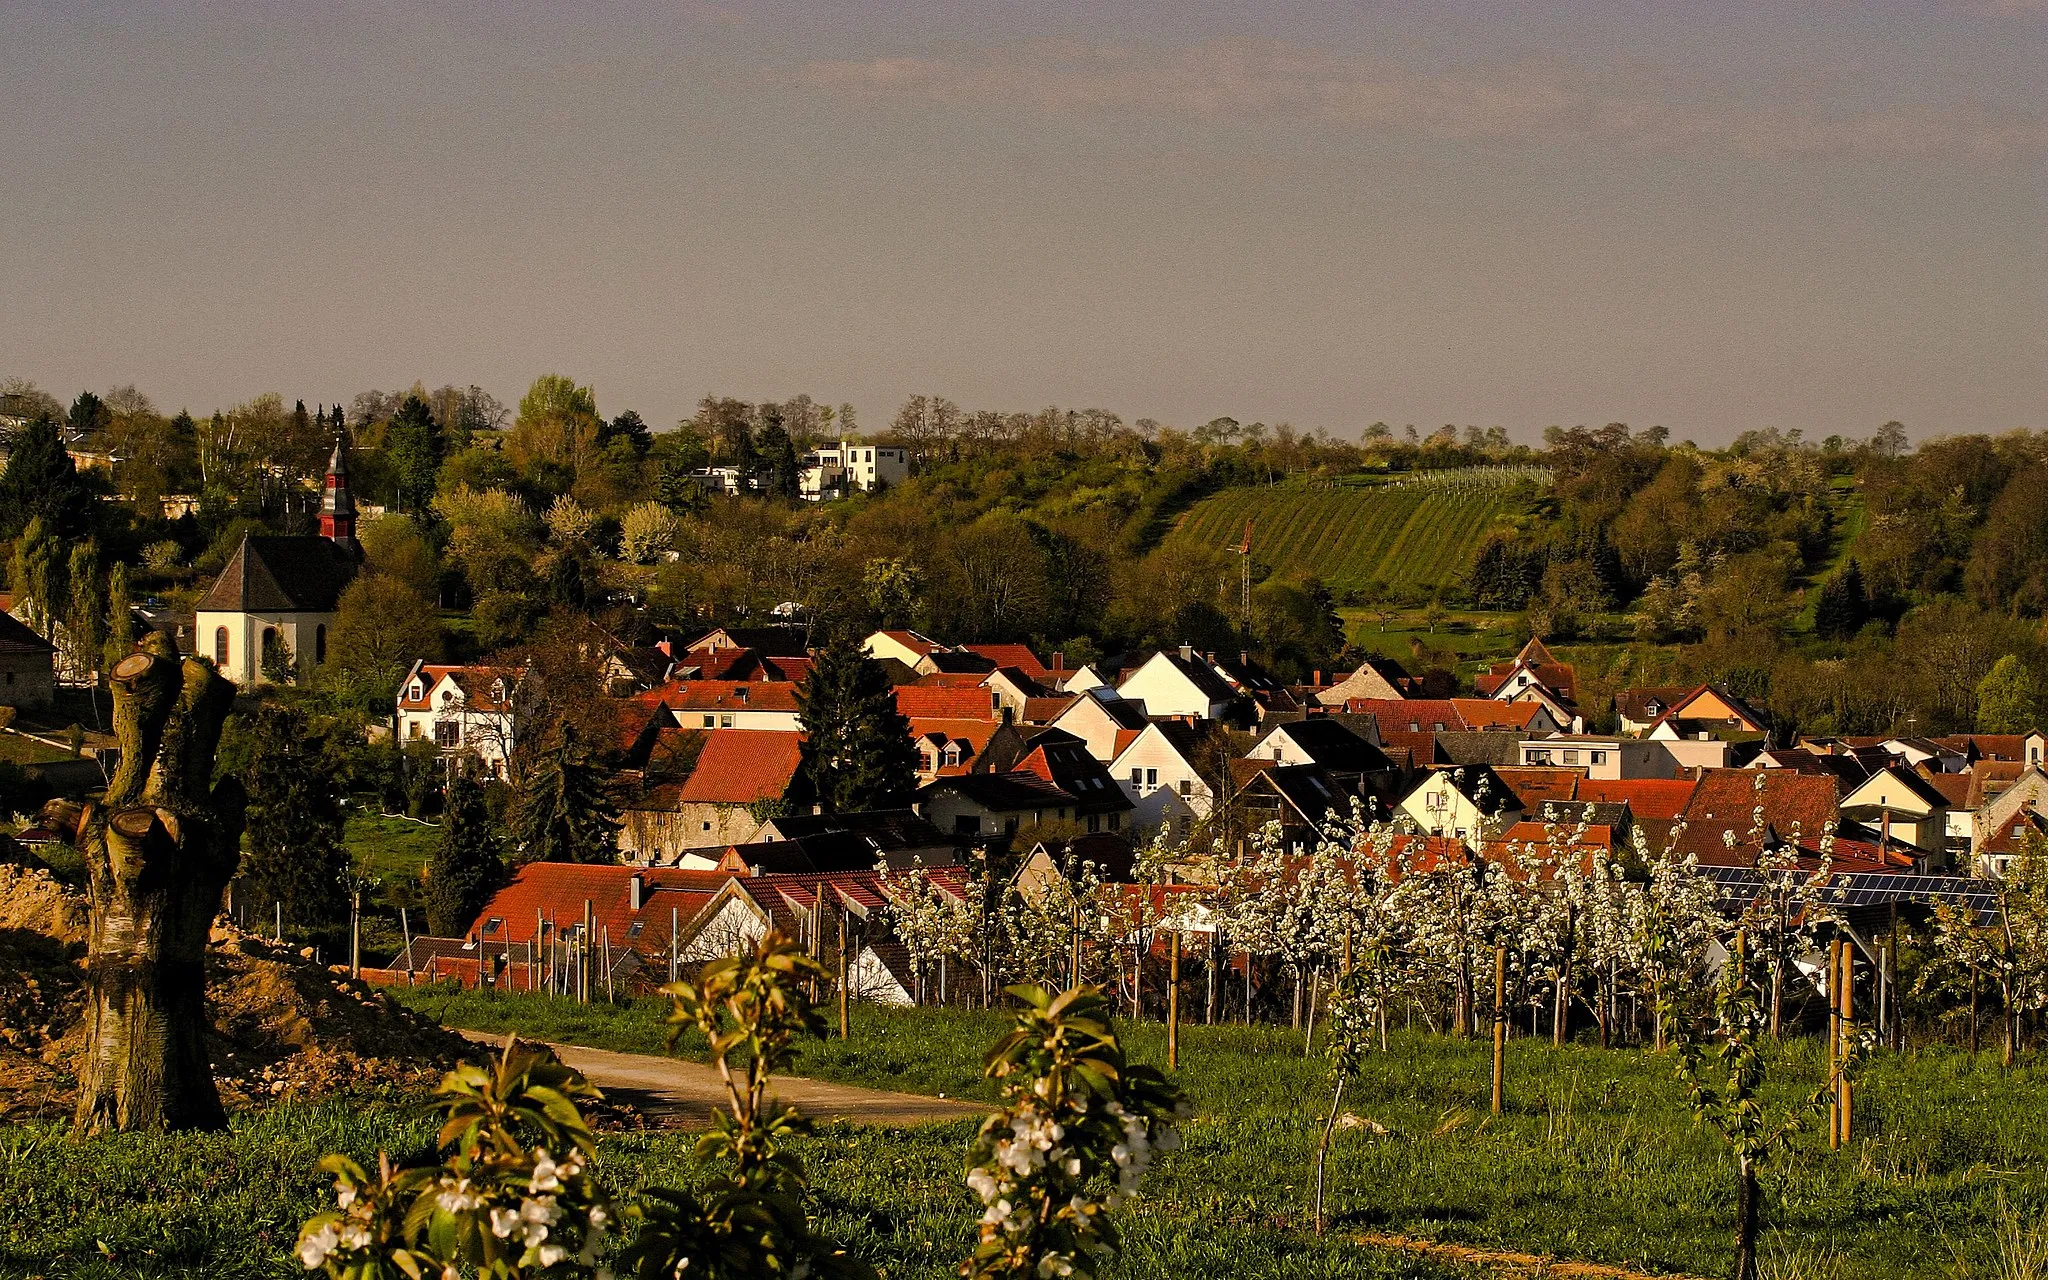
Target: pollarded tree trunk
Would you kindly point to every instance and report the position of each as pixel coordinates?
(159, 850)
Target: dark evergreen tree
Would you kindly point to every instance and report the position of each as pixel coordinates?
(469, 865)
(40, 480)
(777, 453)
(857, 753)
(630, 427)
(1842, 608)
(294, 821)
(89, 414)
(413, 448)
(561, 808)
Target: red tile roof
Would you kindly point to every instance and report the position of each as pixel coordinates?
(557, 890)
(724, 695)
(1726, 801)
(1012, 655)
(1533, 786)
(740, 766)
(941, 702)
(476, 683)
(1651, 799)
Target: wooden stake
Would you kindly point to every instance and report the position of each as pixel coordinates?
(1848, 1030)
(1833, 1041)
(1500, 1027)
(583, 956)
(1173, 1001)
(355, 933)
(609, 994)
(845, 970)
(405, 927)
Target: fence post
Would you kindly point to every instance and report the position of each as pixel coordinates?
(845, 970)
(405, 926)
(1500, 1025)
(1173, 1002)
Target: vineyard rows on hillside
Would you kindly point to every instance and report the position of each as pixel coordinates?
(1407, 536)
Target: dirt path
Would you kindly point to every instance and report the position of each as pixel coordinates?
(1507, 1263)
(685, 1092)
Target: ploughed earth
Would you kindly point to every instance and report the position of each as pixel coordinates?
(283, 1026)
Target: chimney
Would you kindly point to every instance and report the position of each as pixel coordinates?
(1059, 660)
(1316, 677)
(636, 891)
(1187, 652)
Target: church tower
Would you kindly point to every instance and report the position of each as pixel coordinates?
(337, 506)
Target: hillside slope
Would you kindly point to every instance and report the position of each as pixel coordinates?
(1408, 536)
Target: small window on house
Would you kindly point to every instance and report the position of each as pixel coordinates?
(1599, 757)
(220, 646)
(1137, 776)
(416, 692)
(1116, 821)
(725, 722)
(1151, 777)
(1571, 757)
(710, 722)
(1187, 786)
(447, 733)
(413, 729)
(1094, 823)
(494, 924)
(320, 643)
(707, 826)
(637, 926)
(1279, 753)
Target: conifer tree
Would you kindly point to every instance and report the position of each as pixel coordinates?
(469, 865)
(561, 810)
(294, 821)
(41, 481)
(1842, 609)
(85, 617)
(857, 753)
(413, 448)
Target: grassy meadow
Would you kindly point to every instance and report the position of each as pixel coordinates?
(1596, 1159)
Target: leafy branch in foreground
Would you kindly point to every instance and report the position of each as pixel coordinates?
(752, 1221)
(512, 1196)
(1072, 1141)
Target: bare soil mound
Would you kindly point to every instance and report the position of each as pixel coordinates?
(283, 1026)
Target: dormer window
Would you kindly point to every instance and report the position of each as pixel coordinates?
(497, 690)
(417, 692)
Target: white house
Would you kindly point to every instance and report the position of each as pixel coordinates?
(906, 647)
(730, 704)
(1157, 771)
(1611, 758)
(1102, 720)
(1180, 684)
(1467, 803)
(468, 712)
(833, 470)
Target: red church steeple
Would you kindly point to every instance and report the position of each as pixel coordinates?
(337, 506)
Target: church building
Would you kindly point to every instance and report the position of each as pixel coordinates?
(275, 601)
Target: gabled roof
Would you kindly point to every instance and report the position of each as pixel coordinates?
(1334, 746)
(883, 829)
(1501, 748)
(479, 685)
(275, 574)
(999, 792)
(1988, 746)
(16, 637)
(725, 695)
(1907, 780)
(945, 702)
(1308, 789)
(955, 662)
(1646, 703)
(1205, 678)
(1063, 761)
(913, 641)
(741, 766)
(1019, 656)
(1532, 786)
(1655, 799)
(557, 890)
(1726, 802)
(779, 642)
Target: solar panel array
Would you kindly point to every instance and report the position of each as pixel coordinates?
(1867, 888)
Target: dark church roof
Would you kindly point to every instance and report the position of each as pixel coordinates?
(275, 574)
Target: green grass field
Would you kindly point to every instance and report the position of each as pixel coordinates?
(1415, 536)
(388, 848)
(1596, 1159)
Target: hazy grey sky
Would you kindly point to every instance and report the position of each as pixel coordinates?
(1714, 216)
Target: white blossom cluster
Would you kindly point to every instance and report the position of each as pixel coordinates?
(538, 1210)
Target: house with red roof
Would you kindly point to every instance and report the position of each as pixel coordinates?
(1535, 675)
(906, 647)
(923, 701)
(1734, 815)
(470, 712)
(729, 704)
